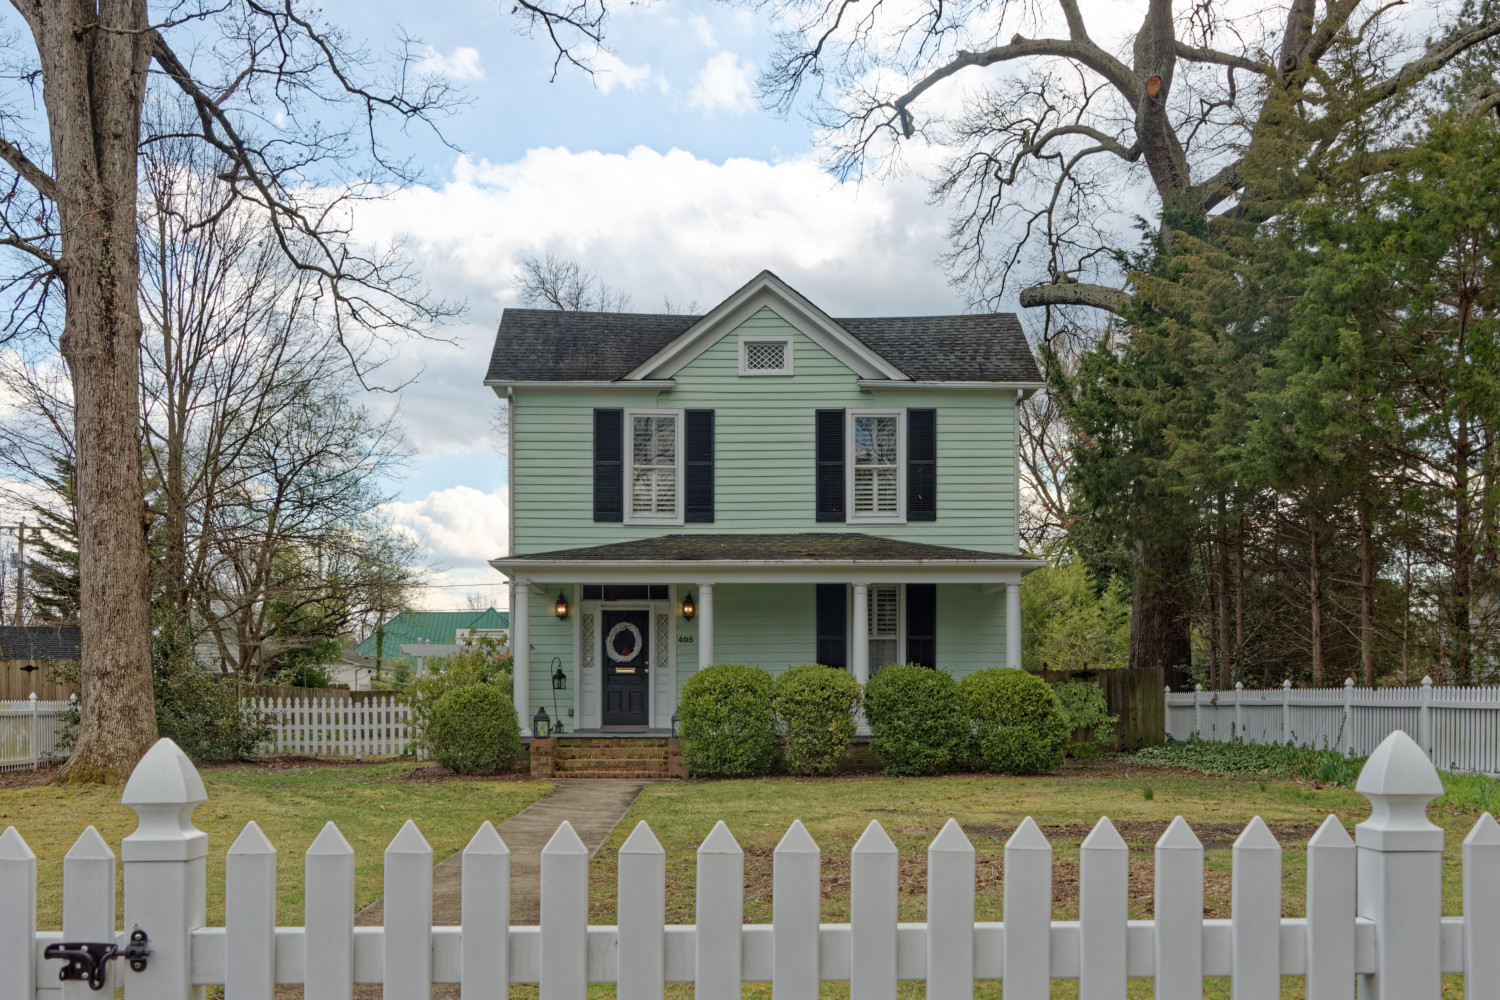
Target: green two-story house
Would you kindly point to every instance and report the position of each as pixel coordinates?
(762, 484)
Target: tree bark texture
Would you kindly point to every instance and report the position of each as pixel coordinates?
(94, 60)
(1158, 616)
(1366, 593)
(1315, 593)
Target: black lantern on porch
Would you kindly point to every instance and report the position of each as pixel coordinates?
(559, 679)
(562, 607)
(674, 724)
(689, 609)
(541, 724)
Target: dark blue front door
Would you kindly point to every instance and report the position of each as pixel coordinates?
(627, 667)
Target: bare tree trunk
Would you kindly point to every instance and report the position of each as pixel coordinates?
(1366, 592)
(1315, 592)
(94, 67)
(1158, 619)
(1239, 590)
(1226, 655)
(1463, 555)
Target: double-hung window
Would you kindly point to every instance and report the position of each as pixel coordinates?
(653, 471)
(883, 625)
(876, 450)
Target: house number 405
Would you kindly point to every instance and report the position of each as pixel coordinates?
(685, 639)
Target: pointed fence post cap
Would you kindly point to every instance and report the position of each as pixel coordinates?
(486, 840)
(1399, 781)
(1256, 837)
(720, 841)
(252, 840)
(874, 840)
(13, 846)
(1028, 837)
(642, 841)
(797, 840)
(164, 789)
(1331, 835)
(1287, 684)
(1427, 682)
(950, 839)
(89, 847)
(565, 841)
(1348, 682)
(1179, 836)
(330, 840)
(1486, 833)
(1103, 837)
(409, 840)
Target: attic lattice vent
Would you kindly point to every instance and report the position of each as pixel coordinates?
(765, 357)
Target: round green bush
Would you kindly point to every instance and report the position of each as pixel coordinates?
(815, 712)
(1018, 725)
(473, 730)
(725, 721)
(915, 715)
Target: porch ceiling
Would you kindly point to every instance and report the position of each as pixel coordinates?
(726, 557)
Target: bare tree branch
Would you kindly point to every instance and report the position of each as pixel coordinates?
(29, 171)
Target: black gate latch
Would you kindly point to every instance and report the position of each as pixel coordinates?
(88, 961)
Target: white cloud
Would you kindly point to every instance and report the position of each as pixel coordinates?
(460, 64)
(459, 526)
(704, 30)
(610, 71)
(723, 86)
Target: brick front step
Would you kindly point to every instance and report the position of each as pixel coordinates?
(605, 758)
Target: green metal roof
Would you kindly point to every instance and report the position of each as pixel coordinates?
(431, 626)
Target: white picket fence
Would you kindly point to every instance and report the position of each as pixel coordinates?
(1459, 727)
(1390, 934)
(335, 727)
(29, 731)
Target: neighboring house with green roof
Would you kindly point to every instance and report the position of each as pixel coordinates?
(417, 635)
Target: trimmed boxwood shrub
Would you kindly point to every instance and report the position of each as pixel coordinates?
(918, 724)
(725, 722)
(1018, 725)
(473, 730)
(815, 712)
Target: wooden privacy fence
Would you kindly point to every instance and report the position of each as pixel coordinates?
(335, 726)
(1459, 727)
(1390, 935)
(29, 731)
(1134, 697)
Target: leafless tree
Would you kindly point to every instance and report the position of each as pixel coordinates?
(1044, 156)
(298, 111)
(555, 282)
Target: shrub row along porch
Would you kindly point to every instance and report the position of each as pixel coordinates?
(605, 636)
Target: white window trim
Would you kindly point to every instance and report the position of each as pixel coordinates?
(850, 516)
(629, 467)
(784, 339)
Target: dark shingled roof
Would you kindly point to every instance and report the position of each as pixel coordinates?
(806, 547)
(550, 345)
(39, 642)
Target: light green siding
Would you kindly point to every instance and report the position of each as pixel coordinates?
(763, 452)
(551, 637)
(970, 628)
(770, 626)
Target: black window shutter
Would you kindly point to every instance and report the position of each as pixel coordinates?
(833, 642)
(921, 465)
(609, 462)
(699, 450)
(830, 457)
(921, 624)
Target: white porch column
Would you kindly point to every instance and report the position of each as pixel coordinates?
(859, 634)
(520, 644)
(859, 646)
(705, 625)
(1013, 625)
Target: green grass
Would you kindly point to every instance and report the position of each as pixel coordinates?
(369, 802)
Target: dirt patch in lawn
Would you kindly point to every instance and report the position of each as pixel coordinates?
(435, 775)
(28, 778)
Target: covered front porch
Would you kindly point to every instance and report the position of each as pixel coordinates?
(605, 636)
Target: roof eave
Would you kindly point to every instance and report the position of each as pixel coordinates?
(584, 385)
(548, 571)
(929, 385)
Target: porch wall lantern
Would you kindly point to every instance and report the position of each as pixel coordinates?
(541, 724)
(674, 724)
(689, 609)
(562, 606)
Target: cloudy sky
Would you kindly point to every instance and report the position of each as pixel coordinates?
(662, 173)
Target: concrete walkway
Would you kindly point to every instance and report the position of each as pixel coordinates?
(593, 805)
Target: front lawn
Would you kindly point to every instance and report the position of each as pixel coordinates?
(291, 800)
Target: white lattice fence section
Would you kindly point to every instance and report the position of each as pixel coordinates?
(1392, 934)
(1459, 727)
(335, 727)
(29, 732)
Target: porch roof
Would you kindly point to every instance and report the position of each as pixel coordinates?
(727, 557)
